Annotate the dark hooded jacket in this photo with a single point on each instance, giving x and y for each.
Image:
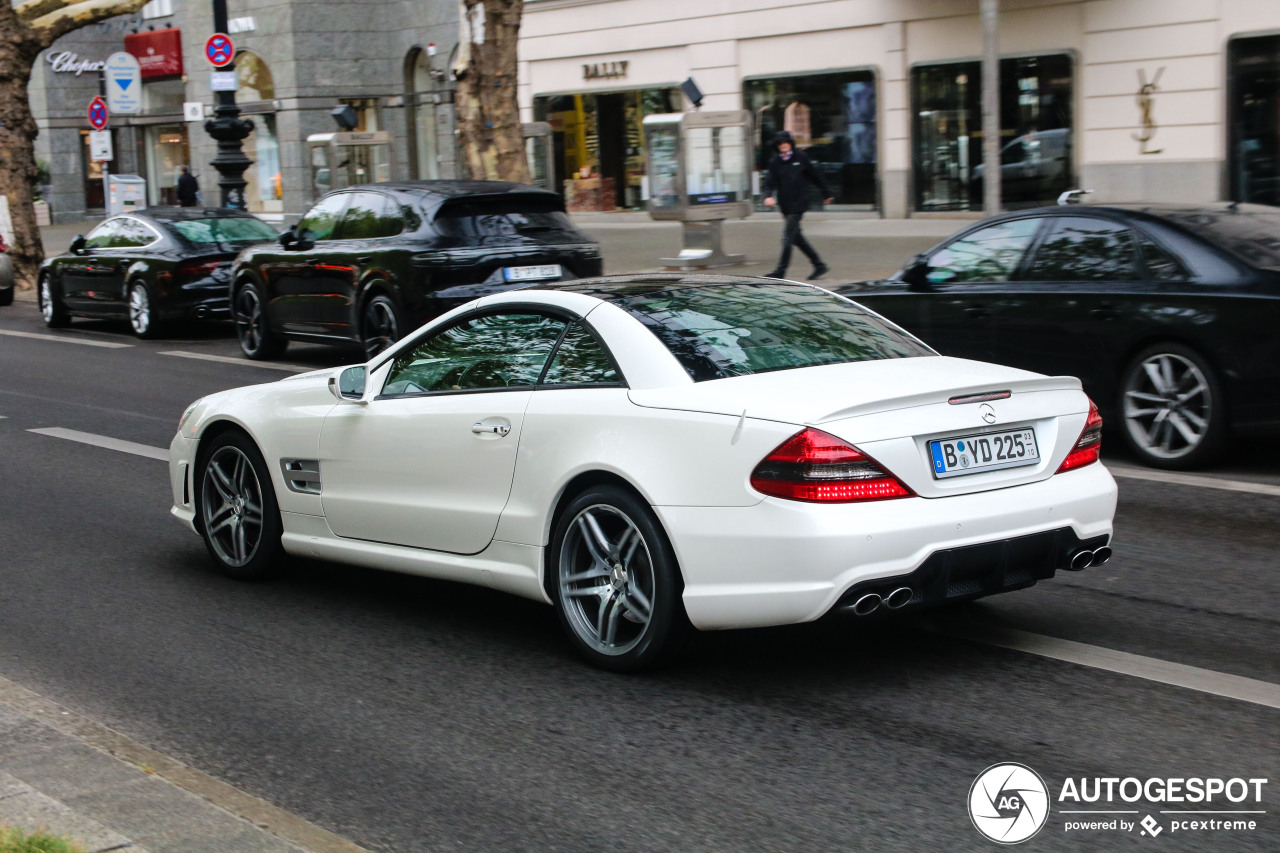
(787, 180)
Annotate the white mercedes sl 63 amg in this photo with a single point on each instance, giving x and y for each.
(651, 453)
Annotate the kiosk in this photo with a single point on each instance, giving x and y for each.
(348, 158)
(700, 174)
(125, 193)
(539, 150)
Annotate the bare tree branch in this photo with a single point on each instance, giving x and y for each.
(69, 15)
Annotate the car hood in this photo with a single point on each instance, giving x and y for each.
(816, 395)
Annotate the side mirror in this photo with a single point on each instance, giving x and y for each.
(915, 270)
(347, 386)
(77, 245)
(288, 236)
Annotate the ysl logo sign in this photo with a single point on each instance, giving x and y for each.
(1146, 105)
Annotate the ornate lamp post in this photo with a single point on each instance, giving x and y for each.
(229, 130)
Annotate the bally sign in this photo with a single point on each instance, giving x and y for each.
(604, 70)
(159, 52)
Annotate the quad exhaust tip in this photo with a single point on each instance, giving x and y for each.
(900, 597)
(867, 604)
(1085, 558)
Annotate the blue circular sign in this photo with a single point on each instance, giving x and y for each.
(219, 50)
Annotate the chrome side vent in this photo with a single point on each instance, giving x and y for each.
(301, 475)
(984, 397)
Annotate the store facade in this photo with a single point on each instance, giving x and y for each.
(1135, 99)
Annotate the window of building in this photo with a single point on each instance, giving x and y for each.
(167, 152)
(263, 192)
(158, 9)
(367, 117)
(1253, 106)
(421, 85)
(832, 118)
(1036, 128)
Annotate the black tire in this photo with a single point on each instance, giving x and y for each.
(236, 510)
(51, 307)
(258, 340)
(601, 585)
(380, 325)
(142, 315)
(6, 297)
(1173, 410)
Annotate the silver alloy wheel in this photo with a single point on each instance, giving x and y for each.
(1168, 405)
(249, 319)
(231, 506)
(606, 580)
(139, 309)
(380, 327)
(46, 300)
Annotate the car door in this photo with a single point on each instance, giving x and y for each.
(428, 462)
(112, 263)
(299, 279)
(369, 217)
(81, 276)
(965, 282)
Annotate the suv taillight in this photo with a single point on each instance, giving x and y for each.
(1089, 446)
(818, 467)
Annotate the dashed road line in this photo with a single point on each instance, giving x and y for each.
(243, 362)
(65, 340)
(1198, 480)
(104, 441)
(1139, 666)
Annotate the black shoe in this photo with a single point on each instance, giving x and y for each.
(819, 271)
(776, 274)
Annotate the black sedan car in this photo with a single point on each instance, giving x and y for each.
(1168, 314)
(370, 263)
(150, 266)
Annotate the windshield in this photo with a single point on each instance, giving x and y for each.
(502, 217)
(1252, 233)
(241, 230)
(717, 331)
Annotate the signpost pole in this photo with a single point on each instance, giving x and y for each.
(227, 127)
(106, 169)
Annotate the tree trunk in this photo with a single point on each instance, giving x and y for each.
(489, 131)
(17, 145)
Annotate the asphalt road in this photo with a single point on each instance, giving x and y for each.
(408, 714)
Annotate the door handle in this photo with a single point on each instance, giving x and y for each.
(483, 428)
(365, 259)
(1105, 311)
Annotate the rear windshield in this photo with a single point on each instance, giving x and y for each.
(503, 217)
(718, 331)
(233, 230)
(1252, 235)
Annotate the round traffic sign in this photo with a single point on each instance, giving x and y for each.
(98, 115)
(220, 50)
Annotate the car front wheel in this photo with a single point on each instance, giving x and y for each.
(51, 308)
(253, 330)
(239, 517)
(615, 582)
(1173, 408)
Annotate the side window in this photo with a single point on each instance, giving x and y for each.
(1078, 248)
(320, 221)
(988, 254)
(485, 352)
(390, 218)
(104, 236)
(369, 216)
(581, 360)
(1161, 264)
(133, 233)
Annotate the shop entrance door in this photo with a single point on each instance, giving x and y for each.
(611, 123)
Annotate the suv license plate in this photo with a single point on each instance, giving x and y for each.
(973, 454)
(538, 273)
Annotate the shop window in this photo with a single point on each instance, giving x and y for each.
(1253, 105)
(167, 152)
(263, 192)
(831, 117)
(1036, 129)
(254, 76)
(422, 86)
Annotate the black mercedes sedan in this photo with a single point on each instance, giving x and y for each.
(370, 263)
(150, 266)
(1167, 313)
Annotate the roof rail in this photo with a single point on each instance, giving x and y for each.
(1072, 196)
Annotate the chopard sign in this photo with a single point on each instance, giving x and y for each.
(67, 62)
(604, 70)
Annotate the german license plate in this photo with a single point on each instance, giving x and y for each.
(972, 454)
(537, 273)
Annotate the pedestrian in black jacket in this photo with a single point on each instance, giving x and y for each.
(786, 185)
(188, 189)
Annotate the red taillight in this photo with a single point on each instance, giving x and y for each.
(192, 270)
(817, 467)
(1089, 446)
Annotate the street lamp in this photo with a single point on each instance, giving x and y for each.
(229, 130)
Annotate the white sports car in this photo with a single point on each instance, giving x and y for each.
(652, 452)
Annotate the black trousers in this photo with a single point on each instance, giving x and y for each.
(793, 236)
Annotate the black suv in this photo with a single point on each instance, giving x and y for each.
(371, 263)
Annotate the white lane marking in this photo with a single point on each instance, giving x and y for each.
(1193, 480)
(243, 362)
(103, 441)
(65, 340)
(1124, 663)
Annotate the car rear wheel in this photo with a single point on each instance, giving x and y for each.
(1174, 412)
(51, 307)
(615, 582)
(239, 518)
(141, 315)
(379, 326)
(257, 340)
